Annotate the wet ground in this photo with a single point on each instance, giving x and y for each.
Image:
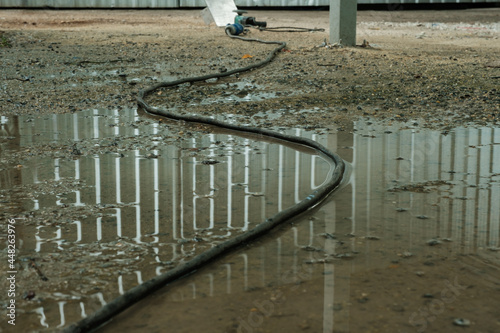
(105, 197)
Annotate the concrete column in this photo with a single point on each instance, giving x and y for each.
(343, 22)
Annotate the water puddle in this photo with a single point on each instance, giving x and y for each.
(411, 243)
(107, 199)
(101, 195)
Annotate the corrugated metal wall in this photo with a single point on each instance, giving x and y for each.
(199, 3)
(93, 3)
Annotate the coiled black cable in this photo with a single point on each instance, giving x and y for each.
(333, 180)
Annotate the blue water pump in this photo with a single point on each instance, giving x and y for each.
(247, 20)
(234, 29)
(240, 22)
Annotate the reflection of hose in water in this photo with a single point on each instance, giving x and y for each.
(334, 178)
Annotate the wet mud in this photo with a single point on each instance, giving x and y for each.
(105, 197)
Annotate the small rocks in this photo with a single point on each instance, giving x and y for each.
(328, 235)
(311, 248)
(461, 322)
(209, 162)
(405, 254)
(345, 255)
(433, 242)
(29, 295)
(151, 155)
(493, 64)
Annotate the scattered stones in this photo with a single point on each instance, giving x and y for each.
(406, 254)
(461, 322)
(311, 248)
(424, 187)
(433, 242)
(328, 235)
(210, 162)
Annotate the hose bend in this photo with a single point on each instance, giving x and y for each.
(334, 179)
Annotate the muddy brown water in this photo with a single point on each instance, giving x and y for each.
(410, 243)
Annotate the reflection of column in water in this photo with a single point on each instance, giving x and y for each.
(245, 270)
(246, 185)
(82, 310)
(139, 277)
(212, 182)
(137, 204)
(483, 166)
(230, 184)
(485, 161)
(100, 298)
(328, 211)
(228, 279)
(278, 257)
(456, 167)
(39, 240)
(369, 157)
(41, 313)
(337, 279)
(120, 284)
(297, 170)
(180, 190)
(264, 180)
(193, 189)
(193, 290)
(156, 189)
(61, 313)
(176, 191)
(353, 185)
(280, 178)
(137, 175)
(314, 160)
(210, 284)
(472, 177)
(494, 207)
(444, 216)
(118, 186)
(97, 173)
(78, 231)
(494, 225)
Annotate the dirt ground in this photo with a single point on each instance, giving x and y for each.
(441, 67)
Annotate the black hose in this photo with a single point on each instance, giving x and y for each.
(334, 178)
(290, 29)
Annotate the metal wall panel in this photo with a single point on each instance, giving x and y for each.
(201, 3)
(192, 3)
(420, 1)
(93, 3)
(282, 3)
